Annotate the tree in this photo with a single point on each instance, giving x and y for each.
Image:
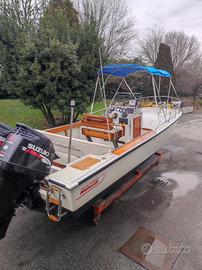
(48, 78)
(61, 17)
(88, 51)
(114, 24)
(49, 60)
(3, 93)
(23, 12)
(18, 19)
(149, 45)
(189, 79)
(183, 47)
(83, 34)
(164, 61)
(64, 7)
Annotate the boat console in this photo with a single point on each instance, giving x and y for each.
(124, 111)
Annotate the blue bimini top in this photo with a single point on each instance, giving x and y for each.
(124, 70)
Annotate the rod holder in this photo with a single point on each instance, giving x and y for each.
(72, 105)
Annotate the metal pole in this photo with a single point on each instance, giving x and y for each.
(154, 90)
(72, 105)
(104, 93)
(94, 96)
(102, 76)
(158, 91)
(116, 92)
(169, 91)
(159, 86)
(128, 87)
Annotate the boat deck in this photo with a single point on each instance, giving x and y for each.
(90, 156)
(70, 174)
(78, 169)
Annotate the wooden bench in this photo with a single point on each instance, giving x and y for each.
(100, 127)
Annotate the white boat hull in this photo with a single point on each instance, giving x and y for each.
(105, 177)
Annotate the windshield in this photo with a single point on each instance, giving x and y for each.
(124, 102)
(122, 99)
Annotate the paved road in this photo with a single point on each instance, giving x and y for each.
(35, 243)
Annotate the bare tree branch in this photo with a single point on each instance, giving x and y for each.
(189, 78)
(150, 44)
(23, 11)
(115, 24)
(183, 47)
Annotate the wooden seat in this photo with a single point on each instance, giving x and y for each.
(96, 121)
(100, 127)
(98, 134)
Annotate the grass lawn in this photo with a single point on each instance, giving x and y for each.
(13, 111)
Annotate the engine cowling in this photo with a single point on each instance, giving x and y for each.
(4, 131)
(25, 159)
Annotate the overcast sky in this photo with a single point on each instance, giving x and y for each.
(183, 15)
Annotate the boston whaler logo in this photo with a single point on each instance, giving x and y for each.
(94, 183)
(37, 152)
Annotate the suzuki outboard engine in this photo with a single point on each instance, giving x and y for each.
(4, 131)
(25, 159)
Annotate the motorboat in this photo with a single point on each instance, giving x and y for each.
(64, 169)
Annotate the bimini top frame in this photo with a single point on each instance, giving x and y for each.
(125, 70)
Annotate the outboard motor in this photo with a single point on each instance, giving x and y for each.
(25, 159)
(4, 131)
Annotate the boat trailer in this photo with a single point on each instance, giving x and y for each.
(133, 176)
